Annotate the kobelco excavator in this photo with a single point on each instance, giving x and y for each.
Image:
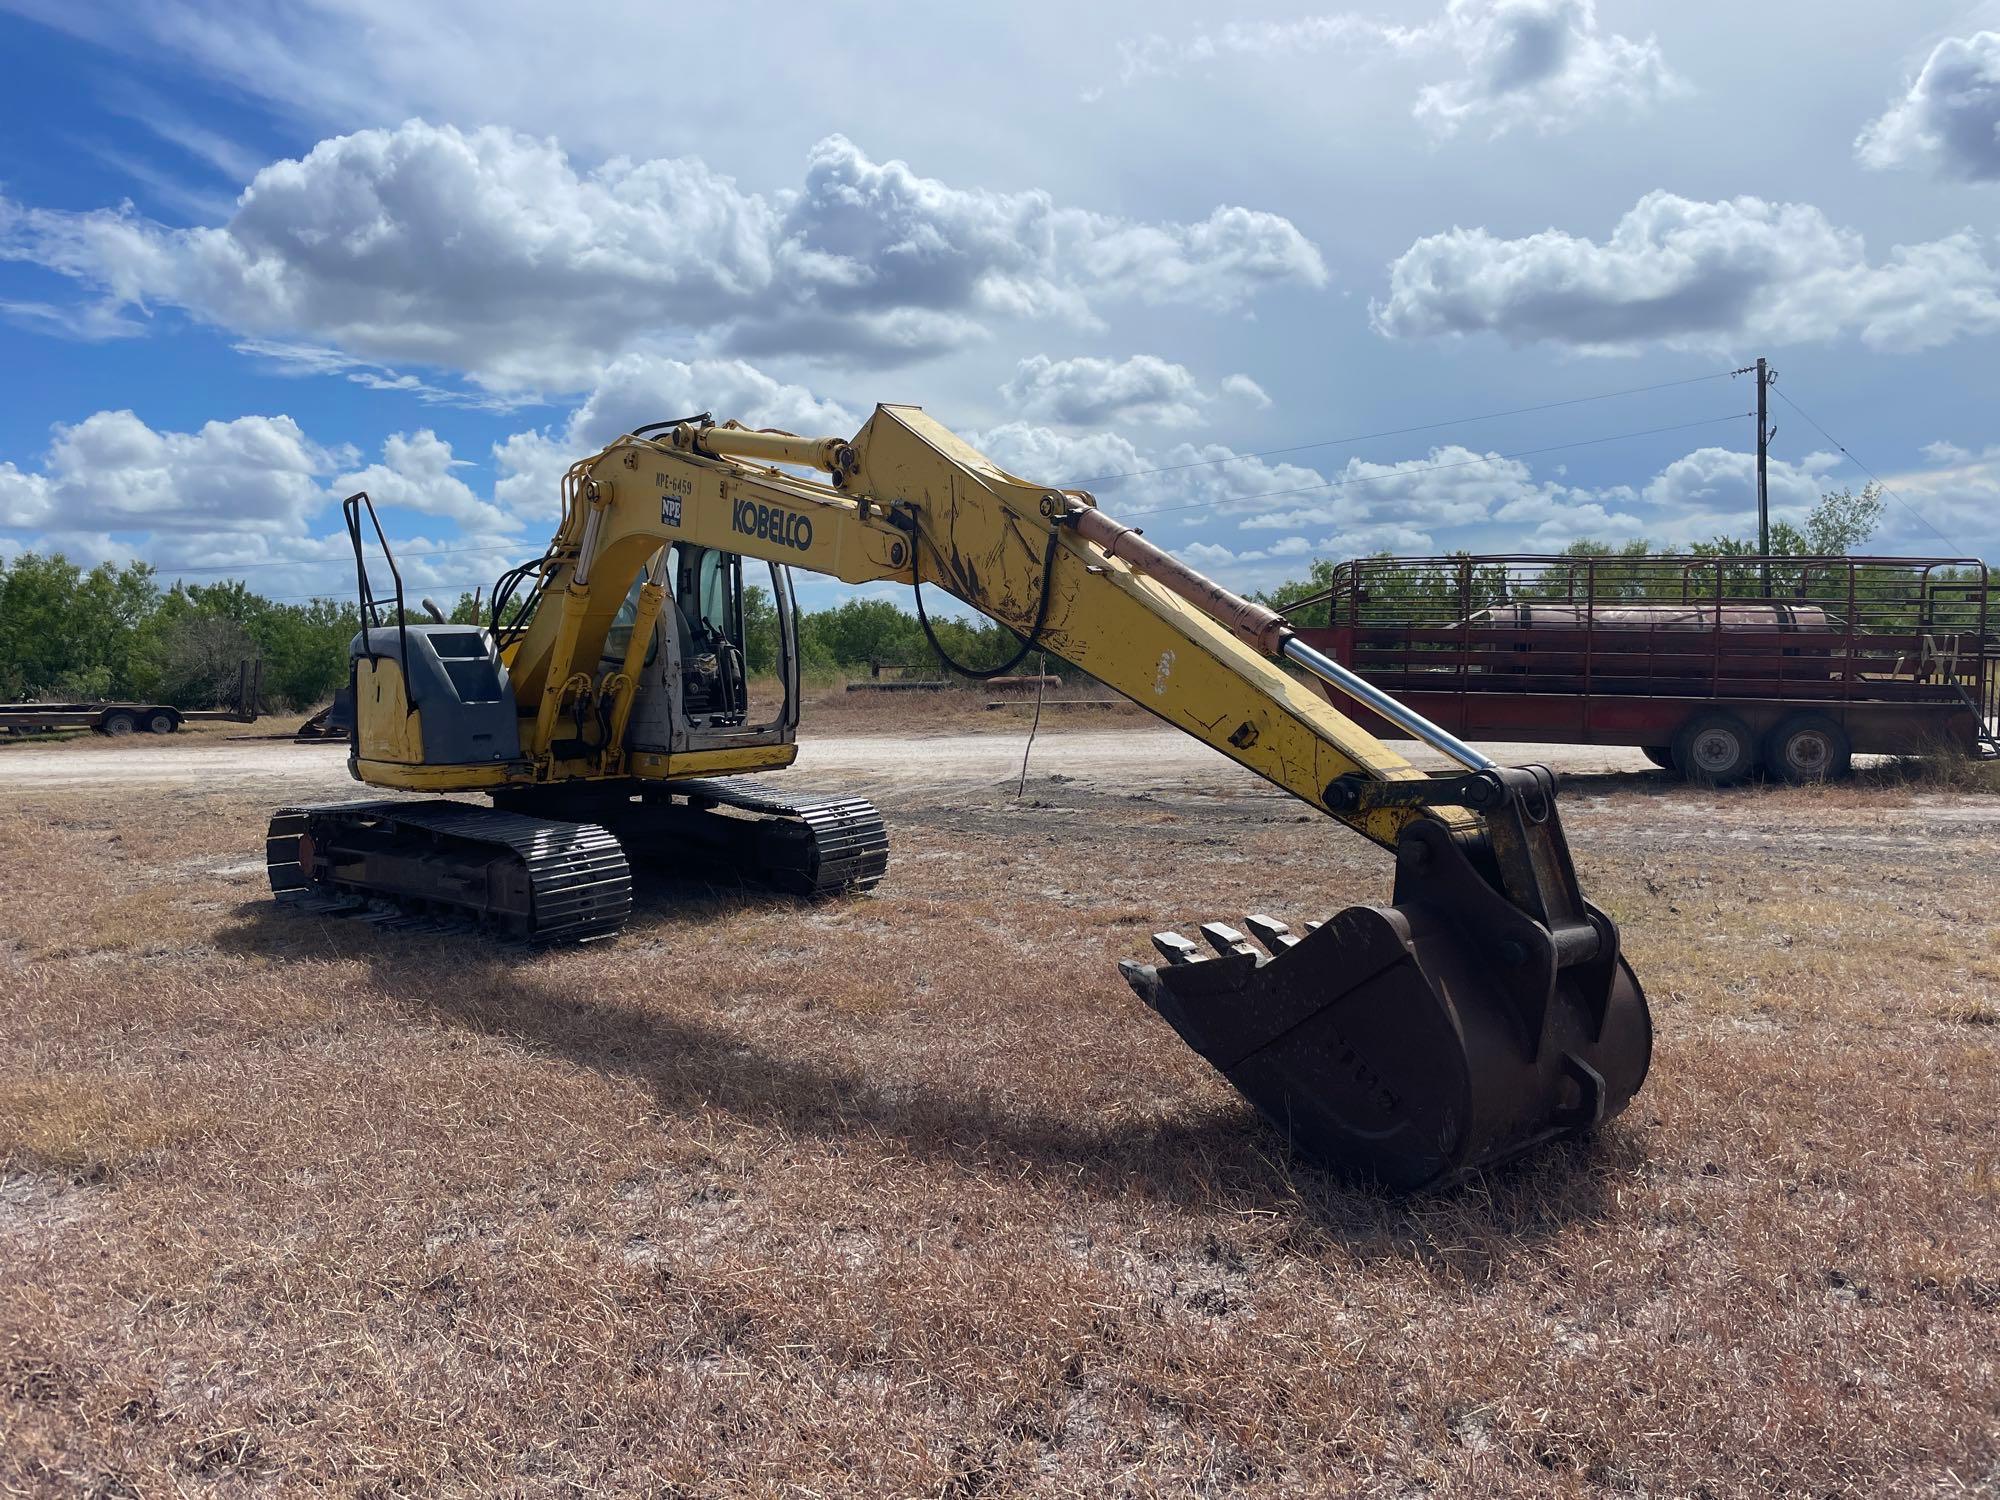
(605, 714)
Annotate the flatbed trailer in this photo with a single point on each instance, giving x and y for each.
(1717, 667)
(132, 716)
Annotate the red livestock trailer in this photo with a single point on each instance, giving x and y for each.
(1714, 666)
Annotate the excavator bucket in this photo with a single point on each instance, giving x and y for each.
(1416, 1042)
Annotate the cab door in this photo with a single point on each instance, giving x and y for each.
(705, 683)
(651, 726)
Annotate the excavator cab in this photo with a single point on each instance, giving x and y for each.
(694, 690)
(707, 590)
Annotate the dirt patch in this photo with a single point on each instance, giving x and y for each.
(37, 1206)
(966, 708)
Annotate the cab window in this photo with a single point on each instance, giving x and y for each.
(618, 639)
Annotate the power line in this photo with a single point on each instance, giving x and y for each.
(1948, 541)
(342, 562)
(1637, 390)
(1465, 463)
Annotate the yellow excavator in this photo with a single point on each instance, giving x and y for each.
(605, 714)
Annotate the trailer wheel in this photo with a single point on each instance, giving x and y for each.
(1715, 750)
(1660, 755)
(1808, 747)
(161, 721)
(118, 723)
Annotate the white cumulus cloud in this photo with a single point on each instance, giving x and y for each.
(1948, 121)
(1182, 483)
(1090, 391)
(416, 473)
(1539, 63)
(1691, 273)
(492, 252)
(113, 472)
(255, 495)
(639, 388)
(1243, 388)
(1211, 554)
(1449, 486)
(1716, 480)
(1956, 498)
(1545, 64)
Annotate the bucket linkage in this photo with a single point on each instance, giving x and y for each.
(1485, 1010)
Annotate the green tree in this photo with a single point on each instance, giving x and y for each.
(1591, 569)
(1839, 523)
(1440, 591)
(760, 630)
(1834, 527)
(305, 650)
(1843, 520)
(1286, 597)
(859, 631)
(203, 655)
(67, 633)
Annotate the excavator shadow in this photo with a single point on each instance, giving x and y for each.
(660, 904)
(1220, 1157)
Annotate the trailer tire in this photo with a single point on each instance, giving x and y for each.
(118, 723)
(1660, 755)
(1808, 747)
(1715, 750)
(162, 721)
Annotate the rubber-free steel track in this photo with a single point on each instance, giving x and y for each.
(847, 843)
(560, 880)
(577, 884)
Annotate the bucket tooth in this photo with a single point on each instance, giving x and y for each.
(1273, 934)
(1415, 1042)
(1226, 940)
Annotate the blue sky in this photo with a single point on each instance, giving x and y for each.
(254, 256)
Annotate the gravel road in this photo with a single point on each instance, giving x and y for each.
(870, 764)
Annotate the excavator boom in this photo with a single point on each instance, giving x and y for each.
(1486, 1008)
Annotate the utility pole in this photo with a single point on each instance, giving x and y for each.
(1765, 432)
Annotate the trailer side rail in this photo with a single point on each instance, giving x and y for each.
(1833, 630)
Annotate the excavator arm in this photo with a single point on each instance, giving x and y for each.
(1485, 1009)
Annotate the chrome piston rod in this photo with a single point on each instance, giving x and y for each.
(1408, 720)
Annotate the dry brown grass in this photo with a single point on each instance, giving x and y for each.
(908, 1196)
(1944, 769)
